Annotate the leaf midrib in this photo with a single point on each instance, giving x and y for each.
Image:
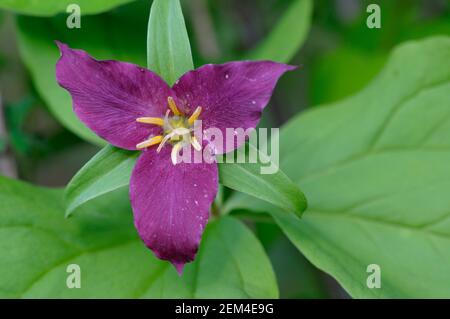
(364, 218)
(360, 156)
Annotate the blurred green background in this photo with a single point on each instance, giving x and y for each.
(339, 57)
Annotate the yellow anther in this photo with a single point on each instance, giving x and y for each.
(173, 106)
(174, 154)
(195, 143)
(151, 141)
(195, 115)
(151, 120)
(177, 130)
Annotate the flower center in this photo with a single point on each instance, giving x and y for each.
(177, 130)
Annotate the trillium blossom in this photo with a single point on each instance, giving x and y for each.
(134, 109)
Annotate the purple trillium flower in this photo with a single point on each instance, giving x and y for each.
(134, 109)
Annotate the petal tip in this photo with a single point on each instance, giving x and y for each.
(179, 267)
(290, 67)
(61, 46)
(285, 67)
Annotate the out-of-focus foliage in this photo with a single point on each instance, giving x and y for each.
(286, 38)
(297, 277)
(354, 54)
(375, 172)
(343, 72)
(52, 7)
(15, 116)
(118, 35)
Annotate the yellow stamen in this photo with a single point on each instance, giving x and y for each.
(175, 133)
(173, 106)
(174, 153)
(195, 143)
(151, 120)
(195, 115)
(151, 141)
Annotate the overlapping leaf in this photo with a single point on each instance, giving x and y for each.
(38, 244)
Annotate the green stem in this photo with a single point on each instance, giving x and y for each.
(215, 210)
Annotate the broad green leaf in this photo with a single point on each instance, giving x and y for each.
(168, 48)
(275, 188)
(38, 244)
(118, 35)
(52, 7)
(375, 169)
(110, 170)
(288, 35)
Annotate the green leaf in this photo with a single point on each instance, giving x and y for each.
(276, 188)
(375, 170)
(38, 244)
(168, 48)
(288, 35)
(118, 35)
(52, 7)
(109, 170)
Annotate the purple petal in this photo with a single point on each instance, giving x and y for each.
(231, 95)
(108, 96)
(171, 204)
